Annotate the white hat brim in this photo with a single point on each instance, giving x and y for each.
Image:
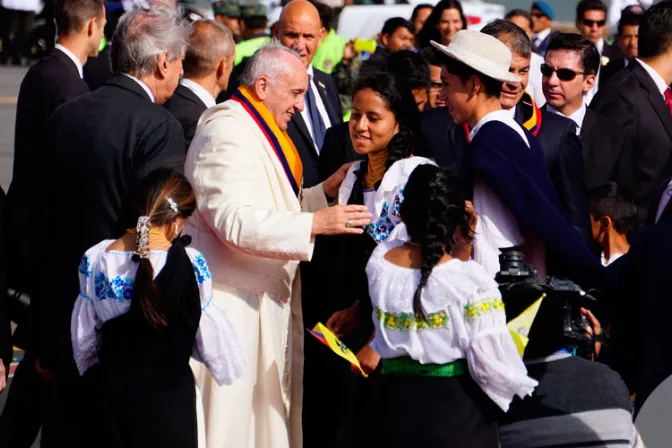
(479, 64)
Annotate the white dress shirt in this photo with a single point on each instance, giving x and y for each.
(534, 84)
(592, 92)
(537, 39)
(200, 92)
(143, 85)
(577, 117)
(22, 5)
(320, 108)
(497, 227)
(611, 259)
(75, 59)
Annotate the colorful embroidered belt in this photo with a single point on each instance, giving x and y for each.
(408, 366)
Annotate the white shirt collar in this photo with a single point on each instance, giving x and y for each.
(657, 79)
(577, 116)
(542, 35)
(75, 59)
(613, 258)
(310, 72)
(143, 85)
(200, 92)
(600, 46)
(503, 116)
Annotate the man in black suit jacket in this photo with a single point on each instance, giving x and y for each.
(207, 67)
(591, 19)
(300, 28)
(101, 145)
(634, 103)
(626, 42)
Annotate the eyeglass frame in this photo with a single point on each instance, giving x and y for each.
(589, 23)
(557, 71)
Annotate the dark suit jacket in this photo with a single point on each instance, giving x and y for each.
(5, 329)
(641, 334)
(447, 144)
(564, 160)
(632, 104)
(298, 131)
(47, 85)
(615, 64)
(187, 107)
(336, 151)
(602, 147)
(101, 145)
(98, 70)
(543, 46)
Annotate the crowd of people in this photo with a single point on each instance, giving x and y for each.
(188, 198)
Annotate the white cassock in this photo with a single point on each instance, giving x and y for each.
(253, 231)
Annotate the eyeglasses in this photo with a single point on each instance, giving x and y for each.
(436, 84)
(564, 74)
(590, 23)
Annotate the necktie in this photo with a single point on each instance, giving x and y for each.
(668, 99)
(315, 118)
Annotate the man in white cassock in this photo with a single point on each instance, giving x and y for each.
(254, 225)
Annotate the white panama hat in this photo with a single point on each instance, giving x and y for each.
(482, 52)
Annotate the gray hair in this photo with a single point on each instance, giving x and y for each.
(517, 41)
(144, 34)
(268, 61)
(208, 43)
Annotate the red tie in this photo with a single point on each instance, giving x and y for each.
(668, 98)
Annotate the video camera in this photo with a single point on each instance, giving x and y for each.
(520, 288)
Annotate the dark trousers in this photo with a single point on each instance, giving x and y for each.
(16, 29)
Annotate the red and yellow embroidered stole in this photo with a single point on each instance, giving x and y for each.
(282, 145)
(532, 124)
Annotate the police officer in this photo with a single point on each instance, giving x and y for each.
(227, 12)
(253, 24)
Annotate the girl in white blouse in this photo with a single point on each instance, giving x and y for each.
(440, 327)
(144, 308)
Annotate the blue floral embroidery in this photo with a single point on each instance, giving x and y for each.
(119, 288)
(201, 269)
(382, 228)
(85, 267)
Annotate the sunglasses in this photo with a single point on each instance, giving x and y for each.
(564, 74)
(590, 23)
(436, 84)
(538, 15)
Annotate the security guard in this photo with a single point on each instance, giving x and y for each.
(253, 24)
(330, 51)
(227, 12)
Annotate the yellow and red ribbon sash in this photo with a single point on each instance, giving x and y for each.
(533, 124)
(282, 145)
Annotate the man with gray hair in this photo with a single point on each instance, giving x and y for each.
(207, 67)
(255, 222)
(99, 147)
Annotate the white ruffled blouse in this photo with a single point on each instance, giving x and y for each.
(465, 320)
(106, 287)
(384, 202)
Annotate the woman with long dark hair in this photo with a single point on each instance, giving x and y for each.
(446, 19)
(144, 308)
(447, 355)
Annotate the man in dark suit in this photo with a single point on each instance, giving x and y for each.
(207, 68)
(591, 19)
(569, 70)
(638, 103)
(542, 19)
(300, 28)
(626, 42)
(98, 71)
(101, 145)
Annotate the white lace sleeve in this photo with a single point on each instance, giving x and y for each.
(493, 360)
(217, 345)
(85, 323)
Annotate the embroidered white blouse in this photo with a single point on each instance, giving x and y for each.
(384, 202)
(106, 287)
(465, 320)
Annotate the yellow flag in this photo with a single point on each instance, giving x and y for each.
(520, 326)
(324, 335)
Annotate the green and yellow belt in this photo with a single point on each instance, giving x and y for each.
(409, 366)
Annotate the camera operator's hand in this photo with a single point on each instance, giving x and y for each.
(594, 329)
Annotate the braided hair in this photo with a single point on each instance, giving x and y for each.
(163, 196)
(433, 209)
(399, 100)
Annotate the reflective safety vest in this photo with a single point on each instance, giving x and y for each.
(330, 52)
(248, 47)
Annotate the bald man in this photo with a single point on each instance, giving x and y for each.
(300, 28)
(207, 64)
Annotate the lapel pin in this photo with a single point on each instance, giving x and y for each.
(322, 85)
